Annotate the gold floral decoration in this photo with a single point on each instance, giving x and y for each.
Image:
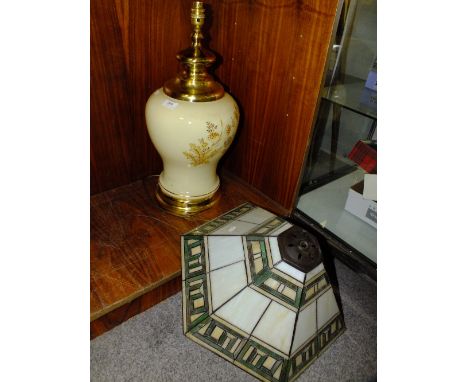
(213, 134)
(219, 137)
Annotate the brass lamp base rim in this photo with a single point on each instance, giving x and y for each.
(181, 205)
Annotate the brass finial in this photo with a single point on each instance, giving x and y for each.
(198, 19)
(193, 82)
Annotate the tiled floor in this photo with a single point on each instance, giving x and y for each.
(151, 346)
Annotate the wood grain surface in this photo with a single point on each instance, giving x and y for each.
(272, 56)
(141, 303)
(135, 246)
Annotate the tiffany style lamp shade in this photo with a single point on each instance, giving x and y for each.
(256, 293)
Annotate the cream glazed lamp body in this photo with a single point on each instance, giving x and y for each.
(192, 122)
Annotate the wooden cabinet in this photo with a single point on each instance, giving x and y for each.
(272, 57)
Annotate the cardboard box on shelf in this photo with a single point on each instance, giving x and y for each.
(364, 209)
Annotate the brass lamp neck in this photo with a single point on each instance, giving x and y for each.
(193, 82)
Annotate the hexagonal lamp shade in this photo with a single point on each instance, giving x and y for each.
(256, 293)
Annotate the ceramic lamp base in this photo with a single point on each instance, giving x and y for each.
(183, 205)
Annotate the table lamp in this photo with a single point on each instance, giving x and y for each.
(192, 122)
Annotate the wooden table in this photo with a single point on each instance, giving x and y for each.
(135, 247)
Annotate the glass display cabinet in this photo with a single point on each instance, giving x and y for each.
(344, 142)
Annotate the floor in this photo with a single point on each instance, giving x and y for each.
(152, 347)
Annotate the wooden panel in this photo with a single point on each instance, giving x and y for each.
(129, 41)
(134, 307)
(273, 55)
(135, 246)
(110, 113)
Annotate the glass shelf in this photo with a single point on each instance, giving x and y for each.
(354, 96)
(347, 115)
(326, 205)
